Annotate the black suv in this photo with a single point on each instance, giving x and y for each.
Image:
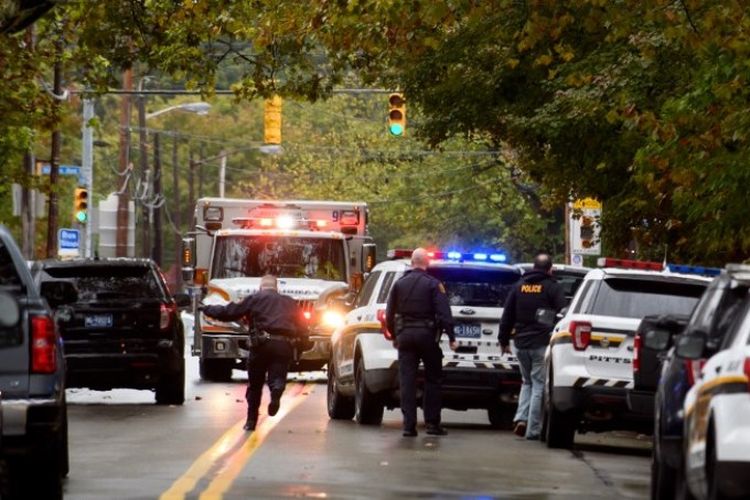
(712, 318)
(32, 377)
(119, 323)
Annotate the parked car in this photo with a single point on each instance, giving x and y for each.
(32, 383)
(590, 355)
(711, 318)
(119, 323)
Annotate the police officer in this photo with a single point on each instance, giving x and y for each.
(418, 314)
(536, 290)
(278, 322)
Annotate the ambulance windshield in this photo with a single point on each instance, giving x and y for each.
(282, 256)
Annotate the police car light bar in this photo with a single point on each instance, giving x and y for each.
(403, 253)
(699, 270)
(630, 264)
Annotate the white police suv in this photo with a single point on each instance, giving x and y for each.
(363, 370)
(590, 356)
(717, 410)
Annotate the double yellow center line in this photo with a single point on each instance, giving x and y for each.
(233, 461)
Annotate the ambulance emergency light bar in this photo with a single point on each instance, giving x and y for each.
(403, 253)
(657, 266)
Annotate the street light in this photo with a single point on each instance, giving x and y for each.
(199, 108)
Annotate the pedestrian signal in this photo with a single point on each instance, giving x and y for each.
(396, 114)
(81, 205)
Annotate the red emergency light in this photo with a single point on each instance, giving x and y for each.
(630, 264)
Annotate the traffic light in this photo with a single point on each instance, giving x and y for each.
(81, 205)
(396, 114)
(272, 121)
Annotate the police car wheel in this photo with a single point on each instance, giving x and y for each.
(340, 407)
(561, 426)
(368, 407)
(663, 477)
(500, 416)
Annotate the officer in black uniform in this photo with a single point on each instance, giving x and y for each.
(536, 290)
(418, 314)
(279, 323)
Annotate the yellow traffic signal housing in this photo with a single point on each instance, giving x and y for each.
(81, 205)
(272, 120)
(396, 114)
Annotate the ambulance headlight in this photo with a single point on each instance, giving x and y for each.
(332, 319)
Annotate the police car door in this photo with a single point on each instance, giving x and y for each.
(353, 322)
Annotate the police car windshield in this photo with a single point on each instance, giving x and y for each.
(634, 298)
(282, 256)
(475, 287)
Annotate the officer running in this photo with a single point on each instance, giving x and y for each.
(418, 314)
(278, 322)
(536, 290)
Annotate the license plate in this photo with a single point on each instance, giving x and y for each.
(468, 330)
(98, 321)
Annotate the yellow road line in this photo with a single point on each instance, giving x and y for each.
(203, 464)
(224, 479)
(185, 484)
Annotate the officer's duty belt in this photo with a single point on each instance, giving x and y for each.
(418, 323)
(271, 336)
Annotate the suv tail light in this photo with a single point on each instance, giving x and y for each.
(43, 345)
(637, 353)
(165, 315)
(693, 368)
(581, 331)
(383, 325)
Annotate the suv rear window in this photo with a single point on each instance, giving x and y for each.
(633, 298)
(109, 282)
(475, 287)
(9, 276)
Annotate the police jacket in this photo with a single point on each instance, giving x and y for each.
(536, 290)
(418, 297)
(275, 313)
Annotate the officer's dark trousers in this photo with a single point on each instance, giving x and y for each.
(413, 346)
(267, 362)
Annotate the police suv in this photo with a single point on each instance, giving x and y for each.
(590, 356)
(363, 371)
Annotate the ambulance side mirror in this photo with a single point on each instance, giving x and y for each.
(369, 256)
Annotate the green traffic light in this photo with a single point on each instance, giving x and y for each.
(396, 129)
(81, 216)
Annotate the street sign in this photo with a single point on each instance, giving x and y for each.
(576, 260)
(585, 227)
(68, 242)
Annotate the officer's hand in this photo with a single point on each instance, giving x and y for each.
(395, 343)
(453, 345)
(506, 350)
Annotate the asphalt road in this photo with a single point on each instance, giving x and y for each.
(124, 446)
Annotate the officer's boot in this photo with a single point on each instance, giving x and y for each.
(273, 406)
(252, 419)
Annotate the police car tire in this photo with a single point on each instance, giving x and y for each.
(171, 387)
(663, 477)
(500, 417)
(560, 426)
(340, 407)
(216, 370)
(368, 407)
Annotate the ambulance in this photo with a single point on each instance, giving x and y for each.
(319, 250)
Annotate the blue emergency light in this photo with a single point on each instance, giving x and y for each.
(480, 256)
(699, 270)
(401, 253)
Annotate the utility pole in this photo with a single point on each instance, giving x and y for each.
(191, 190)
(177, 215)
(87, 170)
(222, 173)
(28, 211)
(200, 170)
(142, 156)
(157, 254)
(123, 199)
(54, 157)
